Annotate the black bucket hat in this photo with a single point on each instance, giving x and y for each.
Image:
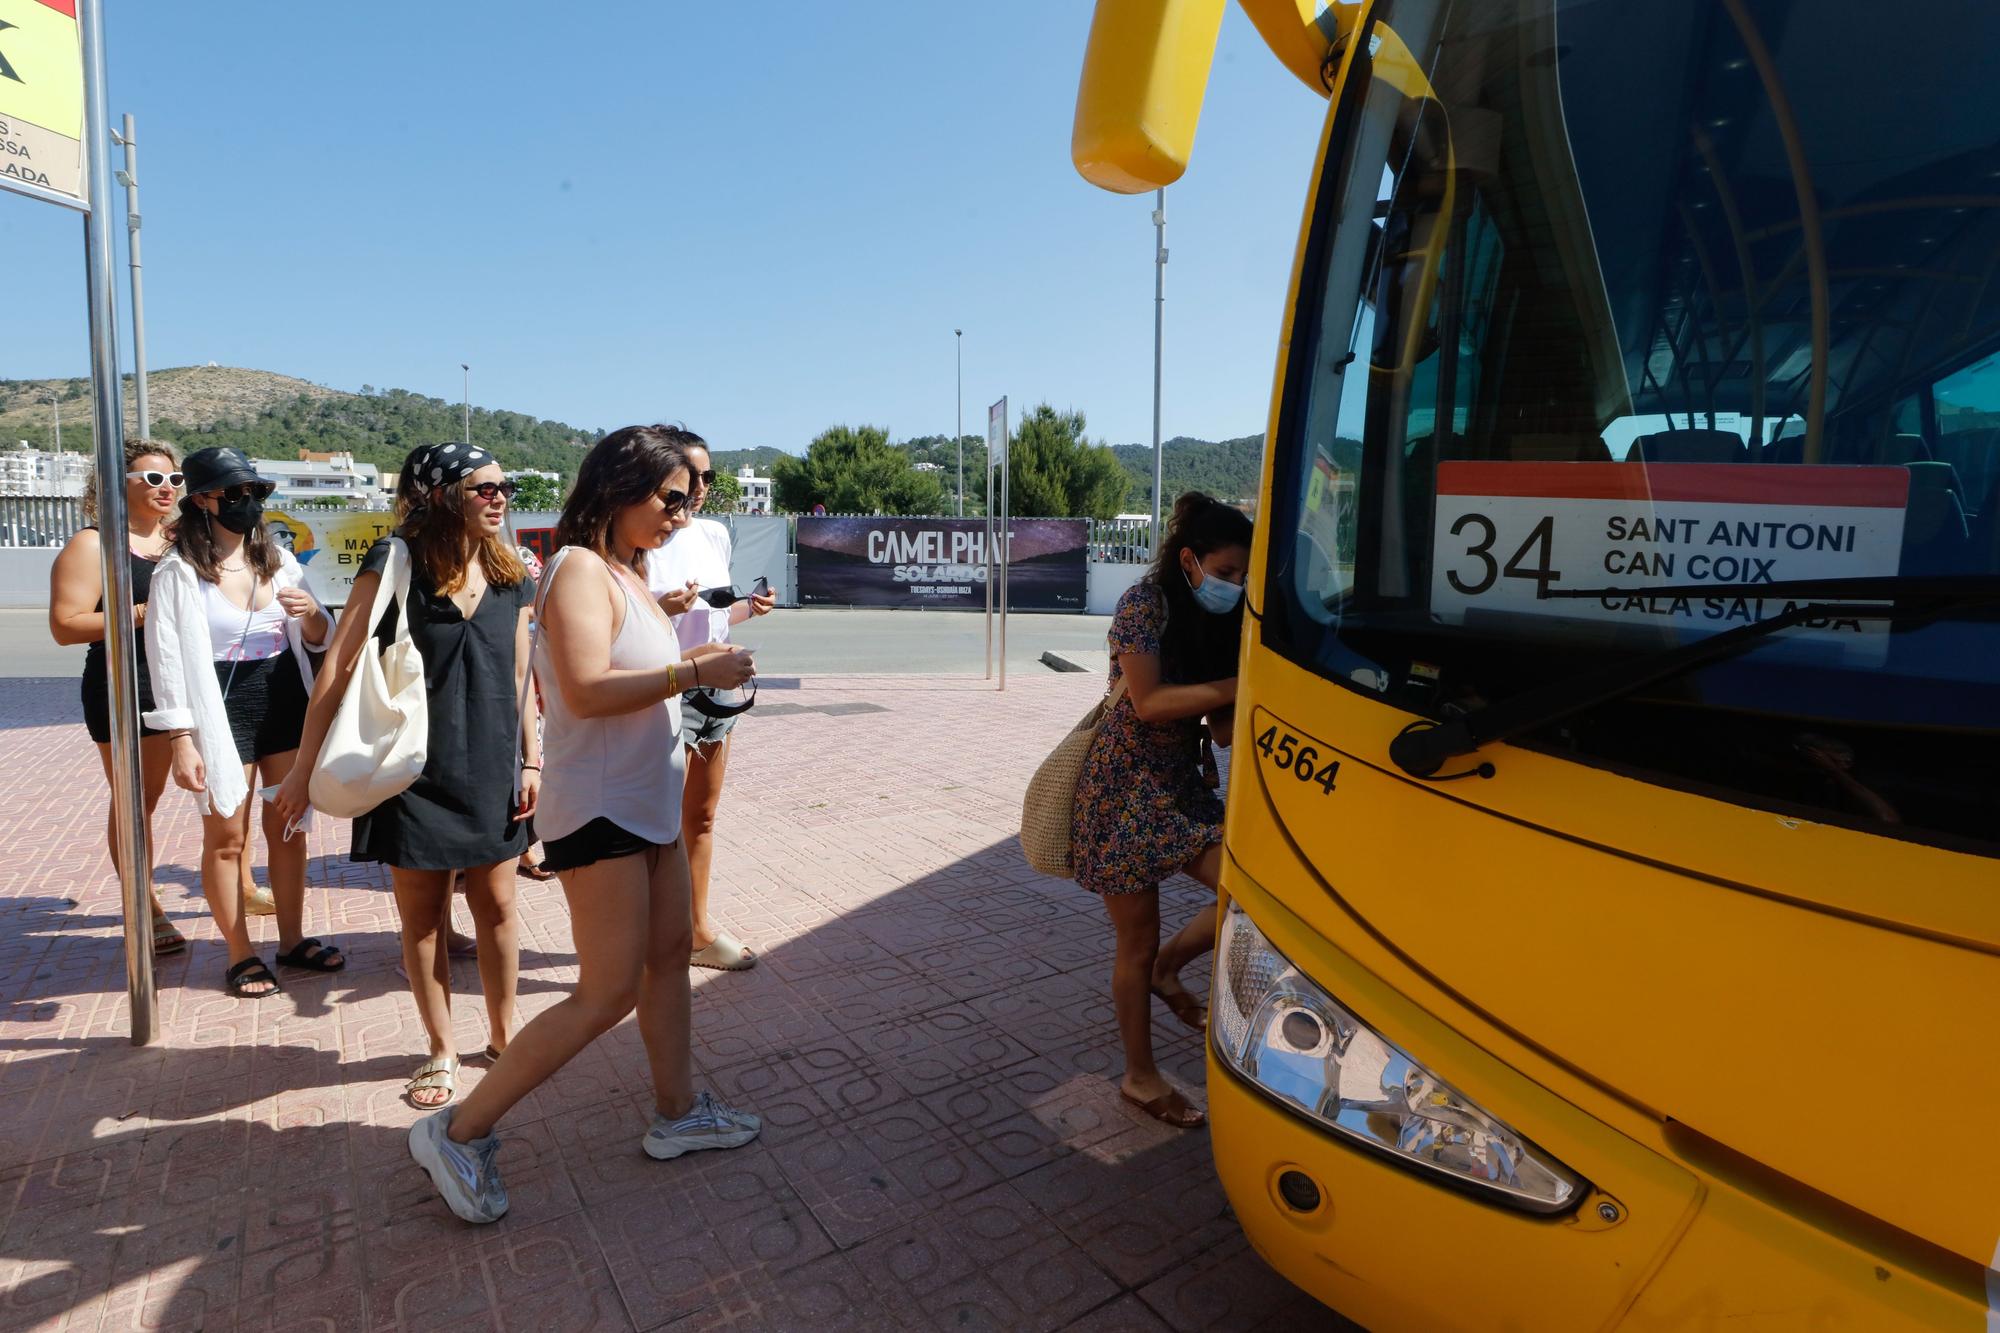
(213, 469)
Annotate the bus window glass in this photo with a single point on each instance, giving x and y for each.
(1602, 300)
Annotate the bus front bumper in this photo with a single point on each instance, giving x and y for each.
(1655, 1243)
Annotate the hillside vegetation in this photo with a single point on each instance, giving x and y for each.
(268, 415)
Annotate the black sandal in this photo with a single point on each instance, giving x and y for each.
(250, 972)
(310, 955)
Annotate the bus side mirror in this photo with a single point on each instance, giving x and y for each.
(1144, 77)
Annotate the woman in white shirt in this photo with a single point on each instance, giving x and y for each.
(228, 625)
(609, 816)
(695, 560)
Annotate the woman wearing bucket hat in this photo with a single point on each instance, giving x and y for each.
(227, 631)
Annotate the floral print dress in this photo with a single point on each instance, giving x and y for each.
(1142, 808)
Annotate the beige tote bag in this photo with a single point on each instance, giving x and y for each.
(1050, 804)
(380, 737)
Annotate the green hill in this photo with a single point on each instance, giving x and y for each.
(1229, 470)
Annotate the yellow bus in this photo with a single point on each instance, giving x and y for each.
(1610, 925)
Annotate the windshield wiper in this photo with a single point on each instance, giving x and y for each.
(1422, 748)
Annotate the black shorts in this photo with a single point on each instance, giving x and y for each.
(265, 701)
(599, 840)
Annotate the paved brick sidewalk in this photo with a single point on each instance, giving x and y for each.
(929, 1040)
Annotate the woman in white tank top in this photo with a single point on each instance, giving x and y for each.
(610, 668)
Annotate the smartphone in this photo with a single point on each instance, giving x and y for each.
(721, 597)
(761, 588)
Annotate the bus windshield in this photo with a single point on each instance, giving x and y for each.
(1662, 304)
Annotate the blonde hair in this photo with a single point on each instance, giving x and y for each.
(135, 450)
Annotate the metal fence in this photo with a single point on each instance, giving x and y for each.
(39, 520)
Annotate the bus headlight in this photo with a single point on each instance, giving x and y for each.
(1273, 1025)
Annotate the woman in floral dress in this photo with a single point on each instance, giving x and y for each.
(1146, 806)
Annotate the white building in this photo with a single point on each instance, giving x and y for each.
(26, 471)
(756, 490)
(323, 479)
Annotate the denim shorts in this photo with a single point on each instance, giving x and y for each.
(701, 732)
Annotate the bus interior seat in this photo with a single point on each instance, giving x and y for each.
(1689, 446)
(1557, 449)
(1788, 449)
(1906, 449)
(1930, 476)
(1936, 539)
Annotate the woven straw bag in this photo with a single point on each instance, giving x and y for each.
(1050, 804)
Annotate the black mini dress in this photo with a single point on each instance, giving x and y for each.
(460, 812)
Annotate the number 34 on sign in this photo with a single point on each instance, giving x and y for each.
(1506, 532)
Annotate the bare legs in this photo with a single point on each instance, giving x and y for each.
(222, 843)
(631, 920)
(1143, 964)
(285, 861)
(700, 799)
(156, 762)
(423, 905)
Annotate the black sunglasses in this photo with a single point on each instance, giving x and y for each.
(706, 478)
(152, 478)
(243, 490)
(673, 501)
(486, 490)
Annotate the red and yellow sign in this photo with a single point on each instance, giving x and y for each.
(41, 100)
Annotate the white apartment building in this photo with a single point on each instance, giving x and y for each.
(756, 491)
(26, 471)
(323, 478)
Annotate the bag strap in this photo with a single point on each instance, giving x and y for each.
(1117, 693)
(396, 574)
(521, 704)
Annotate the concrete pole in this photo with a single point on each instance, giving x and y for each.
(959, 336)
(128, 804)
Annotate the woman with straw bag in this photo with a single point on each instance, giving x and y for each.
(1145, 808)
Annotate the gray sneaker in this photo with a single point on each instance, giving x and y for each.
(464, 1173)
(707, 1124)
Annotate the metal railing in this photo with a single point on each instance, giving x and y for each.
(39, 520)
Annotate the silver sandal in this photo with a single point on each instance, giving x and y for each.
(440, 1071)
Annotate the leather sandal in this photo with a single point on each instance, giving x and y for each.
(311, 955)
(167, 938)
(1170, 1108)
(250, 972)
(1191, 1012)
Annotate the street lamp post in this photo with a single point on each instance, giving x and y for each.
(468, 401)
(959, 336)
(56, 402)
(129, 178)
(1159, 324)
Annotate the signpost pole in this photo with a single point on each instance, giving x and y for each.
(1001, 408)
(135, 870)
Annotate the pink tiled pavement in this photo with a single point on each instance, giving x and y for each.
(928, 1038)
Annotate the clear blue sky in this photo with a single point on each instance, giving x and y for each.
(760, 221)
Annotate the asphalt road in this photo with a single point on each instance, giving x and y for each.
(788, 643)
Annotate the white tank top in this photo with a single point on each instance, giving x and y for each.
(627, 768)
(237, 635)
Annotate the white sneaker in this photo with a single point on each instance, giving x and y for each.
(707, 1124)
(465, 1174)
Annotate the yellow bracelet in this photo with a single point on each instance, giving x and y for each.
(673, 678)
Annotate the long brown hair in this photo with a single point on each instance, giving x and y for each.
(1197, 646)
(194, 538)
(134, 451)
(625, 468)
(432, 521)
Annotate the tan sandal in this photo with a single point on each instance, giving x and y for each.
(440, 1071)
(1191, 1012)
(167, 938)
(725, 953)
(1170, 1108)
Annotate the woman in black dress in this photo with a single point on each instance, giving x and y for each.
(76, 615)
(470, 810)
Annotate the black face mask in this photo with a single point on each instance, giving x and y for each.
(239, 516)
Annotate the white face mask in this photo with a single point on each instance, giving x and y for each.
(1214, 594)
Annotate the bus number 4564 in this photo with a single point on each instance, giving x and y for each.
(1291, 755)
